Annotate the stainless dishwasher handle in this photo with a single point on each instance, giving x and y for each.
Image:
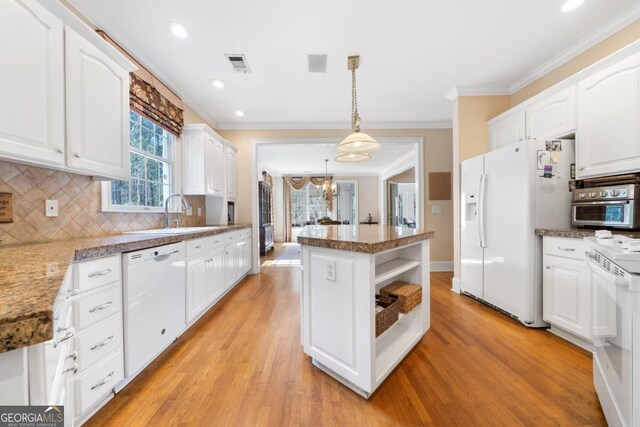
(566, 249)
(102, 344)
(101, 273)
(104, 381)
(101, 307)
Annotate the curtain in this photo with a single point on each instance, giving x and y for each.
(298, 183)
(147, 101)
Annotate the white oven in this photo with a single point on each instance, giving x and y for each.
(616, 358)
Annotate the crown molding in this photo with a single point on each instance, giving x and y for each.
(346, 126)
(605, 31)
(476, 91)
(98, 20)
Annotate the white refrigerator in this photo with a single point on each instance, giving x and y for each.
(505, 196)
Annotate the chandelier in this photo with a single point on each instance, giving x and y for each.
(357, 146)
(328, 189)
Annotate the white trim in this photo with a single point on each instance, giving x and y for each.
(369, 126)
(100, 22)
(459, 91)
(605, 31)
(441, 266)
(455, 285)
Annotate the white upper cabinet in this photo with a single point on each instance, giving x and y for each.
(507, 129)
(231, 172)
(97, 110)
(552, 117)
(203, 161)
(31, 83)
(608, 137)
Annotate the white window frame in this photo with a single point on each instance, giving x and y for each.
(334, 211)
(306, 206)
(175, 166)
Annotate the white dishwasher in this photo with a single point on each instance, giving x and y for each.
(154, 303)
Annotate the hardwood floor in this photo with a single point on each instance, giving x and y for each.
(242, 364)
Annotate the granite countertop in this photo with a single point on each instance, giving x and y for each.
(369, 239)
(32, 273)
(579, 233)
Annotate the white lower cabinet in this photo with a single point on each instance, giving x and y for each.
(566, 286)
(214, 265)
(98, 362)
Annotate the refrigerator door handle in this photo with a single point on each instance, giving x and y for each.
(481, 201)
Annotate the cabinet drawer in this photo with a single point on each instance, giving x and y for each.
(95, 343)
(231, 238)
(564, 247)
(98, 382)
(96, 306)
(245, 233)
(91, 274)
(197, 247)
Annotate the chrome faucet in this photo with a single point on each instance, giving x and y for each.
(185, 205)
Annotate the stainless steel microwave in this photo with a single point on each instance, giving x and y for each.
(615, 206)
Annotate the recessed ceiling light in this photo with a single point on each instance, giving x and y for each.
(219, 84)
(179, 30)
(240, 113)
(571, 5)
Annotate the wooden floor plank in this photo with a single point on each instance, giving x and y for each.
(242, 364)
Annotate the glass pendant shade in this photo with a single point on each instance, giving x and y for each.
(359, 143)
(352, 157)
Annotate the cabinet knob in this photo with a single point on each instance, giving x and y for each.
(581, 168)
(76, 155)
(58, 150)
(547, 267)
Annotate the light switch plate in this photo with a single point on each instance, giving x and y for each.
(436, 209)
(331, 271)
(51, 207)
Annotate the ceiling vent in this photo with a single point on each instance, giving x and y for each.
(317, 63)
(239, 63)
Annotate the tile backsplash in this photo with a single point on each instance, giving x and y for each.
(78, 206)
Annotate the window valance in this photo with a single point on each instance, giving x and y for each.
(147, 101)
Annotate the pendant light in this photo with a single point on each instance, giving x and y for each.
(358, 142)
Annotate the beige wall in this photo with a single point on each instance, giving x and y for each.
(437, 158)
(617, 41)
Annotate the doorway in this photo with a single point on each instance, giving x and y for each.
(401, 209)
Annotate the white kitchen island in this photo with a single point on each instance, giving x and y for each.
(344, 267)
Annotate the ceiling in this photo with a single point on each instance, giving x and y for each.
(413, 52)
(309, 159)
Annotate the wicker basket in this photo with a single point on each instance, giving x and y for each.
(409, 296)
(389, 315)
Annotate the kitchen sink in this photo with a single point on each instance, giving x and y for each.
(178, 230)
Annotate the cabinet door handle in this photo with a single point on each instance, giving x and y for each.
(101, 307)
(73, 356)
(104, 381)
(73, 369)
(102, 344)
(199, 247)
(72, 292)
(547, 267)
(566, 249)
(100, 273)
(58, 150)
(76, 155)
(581, 168)
(66, 337)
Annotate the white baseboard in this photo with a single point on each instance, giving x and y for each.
(441, 265)
(573, 339)
(455, 285)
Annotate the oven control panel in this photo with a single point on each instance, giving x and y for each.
(624, 192)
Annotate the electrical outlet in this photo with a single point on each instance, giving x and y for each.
(51, 207)
(199, 211)
(331, 271)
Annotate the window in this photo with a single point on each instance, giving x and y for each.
(307, 205)
(152, 169)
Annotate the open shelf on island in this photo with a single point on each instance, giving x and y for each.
(394, 267)
(394, 343)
